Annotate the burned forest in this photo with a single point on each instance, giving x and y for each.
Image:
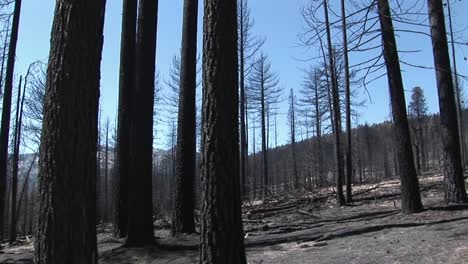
(233, 131)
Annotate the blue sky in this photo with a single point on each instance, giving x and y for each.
(278, 20)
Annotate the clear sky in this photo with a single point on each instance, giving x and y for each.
(278, 20)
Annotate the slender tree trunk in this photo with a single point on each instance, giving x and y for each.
(14, 174)
(263, 113)
(140, 222)
(292, 131)
(221, 227)
(67, 167)
(411, 199)
(453, 171)
(5, 45)
(6, 111)
(336, 113)
(243, 138)
(457, 88)
(318, 132)
(126, 90)
(349, 151)
(106, 176)
(183, 221)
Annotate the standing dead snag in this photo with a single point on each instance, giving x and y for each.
(183, 221)
(140, 196)
(349, 151)
(221, 225)
(336, 112)
(6, 110)
(410, 196)
(453, 171)
(66, 229)
(126, 88)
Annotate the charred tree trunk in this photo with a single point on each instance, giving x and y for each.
(221, 226)
(292, 131)
(126, 90)
(6, 111)
(183, 221)
(411, 198)
(265, 179)
(453, 171)
(14, 174)
(67, 167)
(349, 151)
(140, 211)
(336, 113)
(105, 210)
(242, 100)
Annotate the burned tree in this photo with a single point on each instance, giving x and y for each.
(410, 196)
(67, 166)
(126, 89)
(140, 221)
(453, 171)
(183, 221)
(221, 227)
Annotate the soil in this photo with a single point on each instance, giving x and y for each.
(309, 228)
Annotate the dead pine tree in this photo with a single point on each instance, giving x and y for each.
(67, 166)
(6, 110)
(452, 159)
(15, 165)
(349, 150)
(292, 134)
(264, 92)
(336, 112)
(140, 221)
(410, 196)
(183, 220)
(248, 46)
(126, 88)
(221, 226)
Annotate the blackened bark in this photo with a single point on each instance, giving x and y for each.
(349, 158)
(183, 221)
(336, 113)
(265, 176)
(140, 209)
(410, 196)
(67, 166)
(453, 171)
(292, 131)
(242, 99)
(14, 174)
(106, 177)
(126, 89)
(221, 227)
(6, 110)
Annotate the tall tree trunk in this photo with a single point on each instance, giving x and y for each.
(263, 113)
(411, 198)
(457, 88)
(183, 221)
(140, 222)
(6, 110)
(336, 113)
(453, 171)
(349, 151)
(67, 167)
(14, 174)
(126, 90)
(106, 176)
(221, 227)
(242, 103)
(292, 131)
(5, 45)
